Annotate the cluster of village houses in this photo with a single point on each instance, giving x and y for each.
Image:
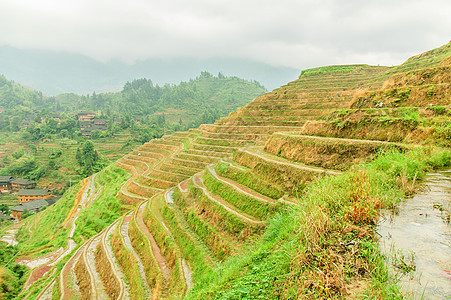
(88, 122)
(30, 198)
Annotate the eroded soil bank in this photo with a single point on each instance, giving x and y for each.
(418, 236)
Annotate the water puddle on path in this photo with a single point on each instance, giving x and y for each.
(421, 230)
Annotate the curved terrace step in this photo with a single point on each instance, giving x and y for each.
(240, 188)
(162, 262)
(128, 244)
(69, 288)
(96, 288)
(224, 128)
(326, 152)
(196, 240)
(105, 239)
(289, 175)
(197, 180)
(257, 152)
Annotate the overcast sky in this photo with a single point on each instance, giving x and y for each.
(300, 34)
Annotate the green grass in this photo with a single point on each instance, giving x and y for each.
(301, 255)
(128, 264)
(219, 217)
(249, 205)
(335, 69)
(168, 248)
(144, 250)
(249, 179)
(106, 208)
(191, 249)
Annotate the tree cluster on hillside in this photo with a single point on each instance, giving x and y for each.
(146, 109)
(89, 159)
(11, 274)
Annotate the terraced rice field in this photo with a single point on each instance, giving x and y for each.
(201, 197)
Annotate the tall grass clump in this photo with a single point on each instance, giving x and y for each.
(327, 247)
(412, 165)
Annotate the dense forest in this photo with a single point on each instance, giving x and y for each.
(169, 107)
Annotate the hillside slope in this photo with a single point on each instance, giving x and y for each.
(268, 202)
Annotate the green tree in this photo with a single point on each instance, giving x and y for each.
(89, 159)
(26, 213)
(4, 208)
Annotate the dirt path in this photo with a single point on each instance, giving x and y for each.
(46, 293)
(10, 237)
(124, 292)
(162, 263)
(95, 279)
(197, 180)
(168, 196)
(183, 186)
(128, 245)
(187, 274)
(67, 275)
(42, 265)
(82, 205)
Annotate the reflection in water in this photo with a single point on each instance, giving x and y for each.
(422, 225)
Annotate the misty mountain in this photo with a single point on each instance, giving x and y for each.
(59, 72)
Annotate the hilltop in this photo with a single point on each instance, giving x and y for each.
(277, 200)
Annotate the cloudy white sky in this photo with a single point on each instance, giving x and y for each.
(293, 33)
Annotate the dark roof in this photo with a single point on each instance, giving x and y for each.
(52, 200)
(35, 204)
(6, 178)
(33, 192)
(22, 181)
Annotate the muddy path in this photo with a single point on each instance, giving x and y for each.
(421, 226)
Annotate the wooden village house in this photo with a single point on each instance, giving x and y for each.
(20, 183)
(27, 195)
(32, 206)
(5, 183)
(85, 116)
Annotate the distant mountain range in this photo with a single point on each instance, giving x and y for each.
(59, 72)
